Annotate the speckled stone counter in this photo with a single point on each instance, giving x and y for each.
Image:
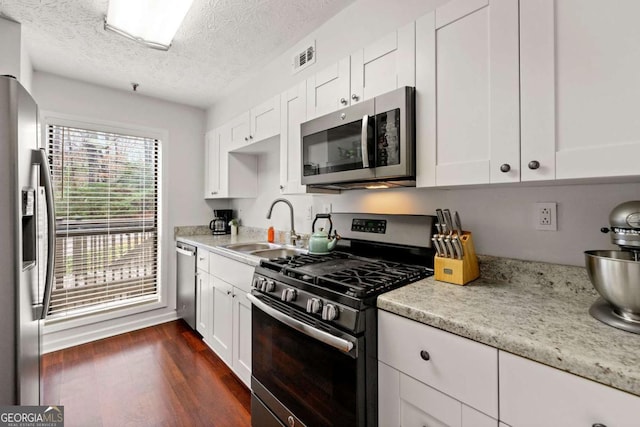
(535, 310)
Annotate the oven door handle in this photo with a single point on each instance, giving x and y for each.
(325, 337)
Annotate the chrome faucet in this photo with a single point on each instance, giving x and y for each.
(294, 236)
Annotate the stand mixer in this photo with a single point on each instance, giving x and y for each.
(616, 274)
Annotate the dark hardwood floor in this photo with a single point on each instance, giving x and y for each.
(159, 376)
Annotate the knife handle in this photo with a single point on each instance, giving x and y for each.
(448, 220)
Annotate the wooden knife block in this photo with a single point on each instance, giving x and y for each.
(458, 271)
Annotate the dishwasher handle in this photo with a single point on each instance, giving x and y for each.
(187, 252)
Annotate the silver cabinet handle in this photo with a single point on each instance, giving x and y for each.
(246, 138)
(250, 136)
(325, 337)
(506, 167)
(598, 425)
(363, 141)
(343, 101)
(424, 354)
(534, 164)
(355, 97)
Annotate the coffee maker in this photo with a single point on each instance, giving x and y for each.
(220, 223)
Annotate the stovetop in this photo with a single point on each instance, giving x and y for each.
(347, 274)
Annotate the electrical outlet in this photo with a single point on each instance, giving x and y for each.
(309, 212)
(545, 216)
(326, 208)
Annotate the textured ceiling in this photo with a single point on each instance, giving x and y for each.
(221, 43)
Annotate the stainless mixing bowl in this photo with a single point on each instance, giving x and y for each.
(616, 277)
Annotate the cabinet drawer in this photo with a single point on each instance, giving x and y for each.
(234, 272)
(459, 367)
(533, 394)
(202, 260)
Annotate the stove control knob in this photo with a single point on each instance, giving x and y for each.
(329, 312)
(314, 305)
(257, 282)
(288, 295)
(269, 286)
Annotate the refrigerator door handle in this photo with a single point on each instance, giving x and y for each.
(40, 157)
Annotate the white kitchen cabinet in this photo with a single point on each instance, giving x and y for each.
(212, 161)
(533, 394)
(292, 113)
(443, 365)
(257, 124)
(204, 304)
(404, 401)
(328, 89)
(385, 65)
(580, 88)
(228, 174)
(222, 327)
(467, 69)
(241, 335)
(231, 314)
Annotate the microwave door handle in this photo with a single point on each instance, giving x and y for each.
(364, 140)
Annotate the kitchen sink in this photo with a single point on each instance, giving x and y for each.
(251, 247)
(278, 252)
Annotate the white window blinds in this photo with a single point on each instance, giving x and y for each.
(106, 199)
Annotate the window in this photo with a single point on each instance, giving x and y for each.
(106, 199)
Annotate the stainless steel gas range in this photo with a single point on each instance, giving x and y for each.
(314, 321)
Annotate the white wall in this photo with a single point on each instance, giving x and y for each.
(183, 186)
(501, 218)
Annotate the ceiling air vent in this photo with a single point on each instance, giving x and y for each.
(304, 57)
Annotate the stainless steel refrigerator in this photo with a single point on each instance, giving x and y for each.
(27, 241)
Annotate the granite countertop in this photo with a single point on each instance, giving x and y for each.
(535, 310)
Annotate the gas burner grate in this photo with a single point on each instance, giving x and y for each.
(373, 278)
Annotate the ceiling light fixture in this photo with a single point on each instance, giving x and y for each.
(153, 23)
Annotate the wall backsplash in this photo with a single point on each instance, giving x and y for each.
(501, 218)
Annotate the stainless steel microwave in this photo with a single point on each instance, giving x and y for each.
(367, 145)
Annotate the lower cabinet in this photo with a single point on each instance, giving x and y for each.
(222, 330)
(533, 394)
(429, 373)
(405, 401)
(224, 313)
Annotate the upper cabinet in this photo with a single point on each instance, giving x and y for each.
(580, 88)
(228, 174)
(261, 122)
(293, 107)
(385, 65)
(467, 70)
(328, 89)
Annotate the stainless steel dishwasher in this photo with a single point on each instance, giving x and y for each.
(186, 282)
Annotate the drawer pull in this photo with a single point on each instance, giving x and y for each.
(598, 425)
(424, 354)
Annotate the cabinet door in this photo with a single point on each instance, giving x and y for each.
(580, 88)
(242, 336)
(239, 130)
(212, 165)
(467, 69)
(293, 105)
(265, 120)
(204, 313)
(221, 329)
(328, 90)
(441, 360)
(532, 394)
(385, 65)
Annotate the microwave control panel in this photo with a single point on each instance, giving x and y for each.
(378, 226)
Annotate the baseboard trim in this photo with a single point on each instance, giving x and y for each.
(82, 335)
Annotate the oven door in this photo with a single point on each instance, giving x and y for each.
(302, 376)
(339, 147)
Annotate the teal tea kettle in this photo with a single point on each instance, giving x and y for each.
(321, 242)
